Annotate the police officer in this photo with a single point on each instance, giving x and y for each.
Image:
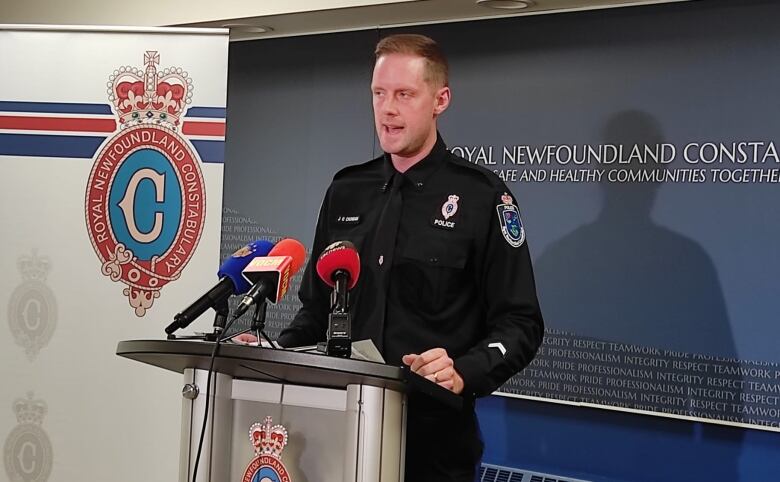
(446, 283)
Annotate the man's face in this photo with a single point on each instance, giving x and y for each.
(405, 105)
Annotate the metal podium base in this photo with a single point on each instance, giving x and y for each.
(352, 435)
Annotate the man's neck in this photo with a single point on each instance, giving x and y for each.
(403, 164)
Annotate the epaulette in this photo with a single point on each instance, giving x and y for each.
(491, 177)
(356, 168)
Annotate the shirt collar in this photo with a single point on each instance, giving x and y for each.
(419, 173)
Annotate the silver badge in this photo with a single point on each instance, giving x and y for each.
(32, 309)
(27, 452)
(450, 207)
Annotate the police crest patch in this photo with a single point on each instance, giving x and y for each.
(145, 199)
(450, 207)
(511, 224)
(268, 442)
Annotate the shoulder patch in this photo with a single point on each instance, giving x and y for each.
(509, 219)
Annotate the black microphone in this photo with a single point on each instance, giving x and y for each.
(339, 267)
(231, 282)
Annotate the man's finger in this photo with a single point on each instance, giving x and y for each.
(448, 384)
(439, 365)
(426, 357)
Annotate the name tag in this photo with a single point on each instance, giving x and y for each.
(348, 220)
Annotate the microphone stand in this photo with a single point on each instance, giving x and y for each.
(257, 327)
(339, 342)
(220, 319)
(222, 310)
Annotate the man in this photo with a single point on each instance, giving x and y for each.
(446, 283)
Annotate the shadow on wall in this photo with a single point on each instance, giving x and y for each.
(624, 278)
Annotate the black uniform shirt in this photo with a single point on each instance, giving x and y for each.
(460, 274)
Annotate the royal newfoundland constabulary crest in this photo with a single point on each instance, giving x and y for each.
(511, 225)
(268, 442)
(145, 199)
(450, 207)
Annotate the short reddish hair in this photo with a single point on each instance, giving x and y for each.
(437, 68)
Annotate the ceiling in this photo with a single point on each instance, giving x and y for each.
(396, 13)
(284, 17)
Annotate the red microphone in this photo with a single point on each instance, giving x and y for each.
(339, 267)
(339, 259)
(270, 275)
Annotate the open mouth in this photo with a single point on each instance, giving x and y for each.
(392, 130)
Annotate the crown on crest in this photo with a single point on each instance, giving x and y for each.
(268, 440)
(150, 96)
(30, 411)
(33, 267)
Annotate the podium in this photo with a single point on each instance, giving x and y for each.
(345, 418)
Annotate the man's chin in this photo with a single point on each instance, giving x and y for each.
(392, 147)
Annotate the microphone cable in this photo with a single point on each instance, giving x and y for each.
(208, 395)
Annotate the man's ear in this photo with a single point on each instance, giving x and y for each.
(442, 100)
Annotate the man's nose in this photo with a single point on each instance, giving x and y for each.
(389, 106)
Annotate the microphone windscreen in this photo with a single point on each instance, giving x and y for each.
(292, 248)
(340, 255)
(234, 265)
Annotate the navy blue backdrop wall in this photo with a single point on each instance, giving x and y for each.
(639, 143)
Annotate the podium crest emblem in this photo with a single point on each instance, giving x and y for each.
(268, 442)
(145, 198)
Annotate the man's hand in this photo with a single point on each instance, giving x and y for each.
(245, 339)
(436, 366)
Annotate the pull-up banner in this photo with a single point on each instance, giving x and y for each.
(641, 147)
(111, 157)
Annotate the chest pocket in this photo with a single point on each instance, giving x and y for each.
(350, 220)
(354, 234)
(432, 272)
